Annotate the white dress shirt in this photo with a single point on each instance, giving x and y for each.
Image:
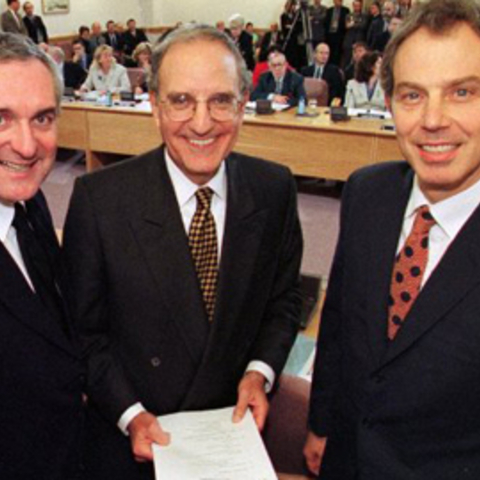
(185, 193)
(450, 216)
(8, 236)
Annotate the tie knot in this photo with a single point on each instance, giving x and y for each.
(423, 220)
(204, 197)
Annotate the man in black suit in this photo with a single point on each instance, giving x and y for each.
(336, 28)
(40, 371)
(242, 39)
(272, 38)
(280, 84)
(395, 390)
(132, 37)
(34, 24)
(113, 38)
(162, 330)
(326, 71)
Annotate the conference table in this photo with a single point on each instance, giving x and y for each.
(310, 146)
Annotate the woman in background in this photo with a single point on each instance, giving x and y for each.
(105, 74)
(365, 91)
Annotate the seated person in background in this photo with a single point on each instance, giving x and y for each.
(243, 40)
(132, 37)
(325, 71)
(359, 49)
(365, 91)
(80, 56)
(262, 65)
(84, 36)
(141, 58)
(272, 38)
(384, 38)
(279, 85)
(114, 39)
(105, 74)
(72, 74)
(96, 37)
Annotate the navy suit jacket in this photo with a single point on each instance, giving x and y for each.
(41, 411)
(138, 303)
(292, 87)
(32, 25)
(408, 409)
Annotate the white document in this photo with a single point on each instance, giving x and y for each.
(209, 446)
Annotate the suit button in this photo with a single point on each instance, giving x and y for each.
(155, 361)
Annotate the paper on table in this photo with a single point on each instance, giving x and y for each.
(209, 446)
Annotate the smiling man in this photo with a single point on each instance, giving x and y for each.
(40, 373)
(185, 263)
(395, 392)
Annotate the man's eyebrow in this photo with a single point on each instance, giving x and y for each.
(453, 83)
(43, 111)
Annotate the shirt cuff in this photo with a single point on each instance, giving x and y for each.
(265, 370)
(270, 97)
(128, 415)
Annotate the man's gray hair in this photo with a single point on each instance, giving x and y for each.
(22, 49)
(189, 34)
(438, 16)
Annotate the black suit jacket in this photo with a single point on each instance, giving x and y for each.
(119, 43)
(138, 303)
(292, 87)
(334, 78)
(73, 75)
(40, 378)
(130, 41)
(33, 25)
(409, 409)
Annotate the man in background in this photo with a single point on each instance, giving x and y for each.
(243, 40)
(280, 85)
(395, 392)
(10, 20)
(323, 70)
(188, 297)
(132, 37)
(34, 24)
(40, 368)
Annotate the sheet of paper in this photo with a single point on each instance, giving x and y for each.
(208, 446)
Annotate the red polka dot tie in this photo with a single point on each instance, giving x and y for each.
(202, 239)
(408, 271)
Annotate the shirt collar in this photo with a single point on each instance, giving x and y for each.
(450, 214)
(185, 189)
(7, 212)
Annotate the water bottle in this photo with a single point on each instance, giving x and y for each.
(301, 106)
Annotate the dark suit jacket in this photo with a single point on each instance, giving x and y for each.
(292, 87)
(245, 45)
(410, 409)
(33, 25)
(10, 25)
(73, 75)
(333, 77)
(40, 378)
(131, 41)
(139, 307)
(119, 41)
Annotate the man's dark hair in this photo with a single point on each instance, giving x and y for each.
(83, 29)
(438, 16)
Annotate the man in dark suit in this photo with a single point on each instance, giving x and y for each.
(280, 84)
(164, 331)
(34, 24)
(336, 28)
(132, 37)
(40, 370)
(273, 38)
(10, 20)
(113, 38)
(242, 39)
(326, 71)
(395, 390)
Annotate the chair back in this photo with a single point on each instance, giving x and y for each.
(317, 88)
(136, 76)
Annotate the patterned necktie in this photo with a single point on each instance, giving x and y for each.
(202, 239)
(408, 271)
(39, 262)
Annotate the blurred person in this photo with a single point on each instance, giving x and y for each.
(34, 24)
(71, 73)
(317, 14)
(357, 22)
(84, 36)
(80, 55)
(242, 39)
(132, 37)
(365, 90)
(10, 19)
(96, 37)
(105, 74)
(336, 27)
(272, 38)
(377, 25)
(114, 39)
(359, 49)
(142, 56)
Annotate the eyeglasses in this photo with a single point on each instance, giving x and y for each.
(182, 107)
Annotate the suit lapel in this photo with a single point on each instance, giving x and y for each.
(161, 236)
(455, 276)
(21, 302)
(384, 224)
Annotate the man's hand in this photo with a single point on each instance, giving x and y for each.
(144, 430)
(283, 99)
(313, 452)
(251, 393)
